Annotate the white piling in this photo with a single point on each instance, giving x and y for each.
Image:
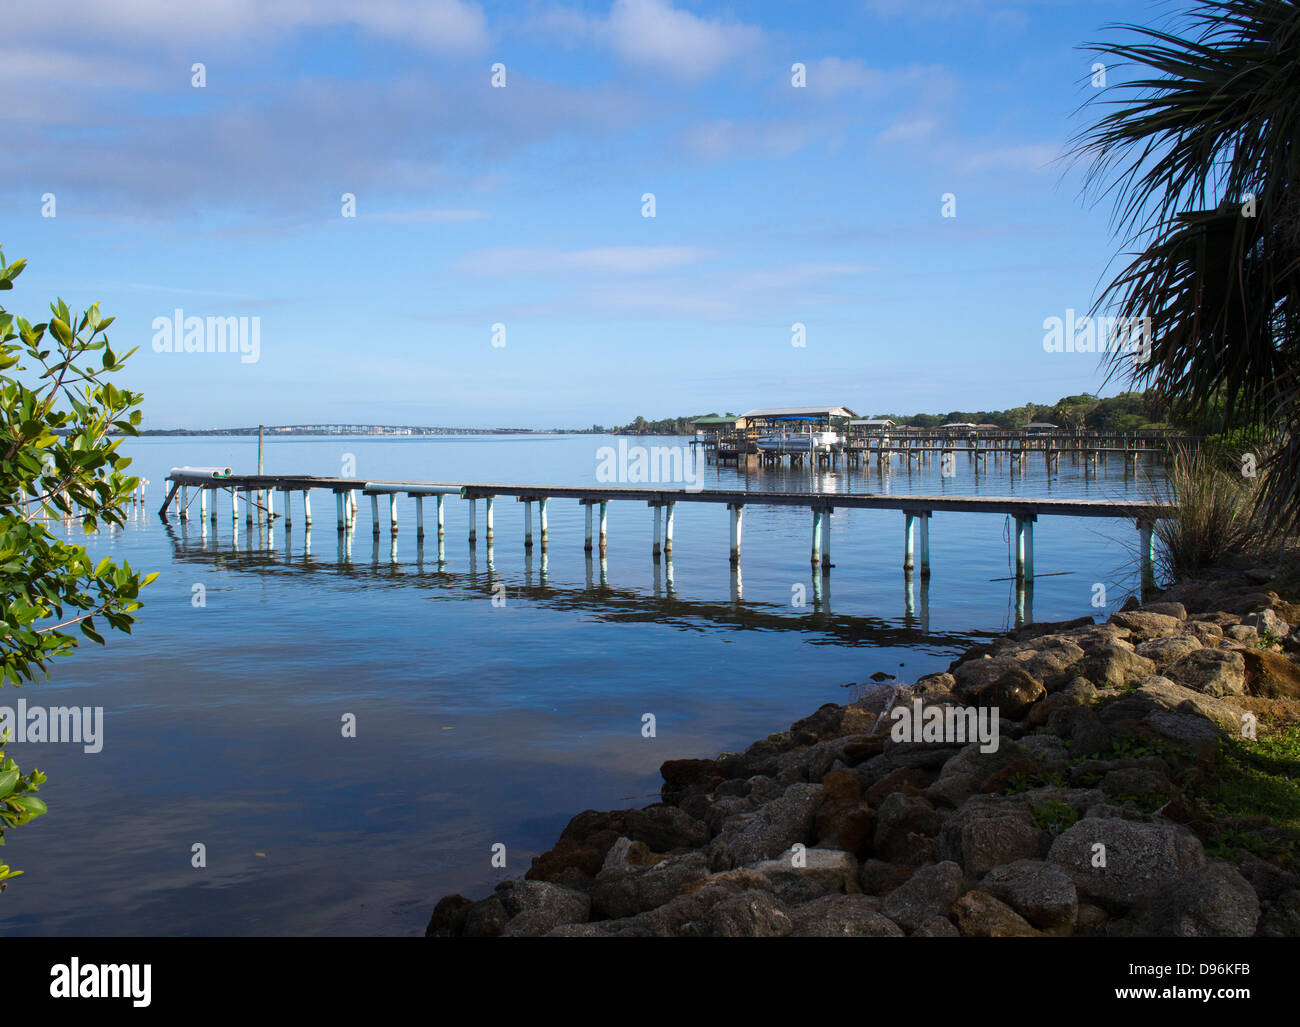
(419, 517)
(306, 508)
(473, 520)
(737, 512)
(909, 521)
(440, 529)
(587, 507)
(374, 513)
(925, 544)
(817, 537)
(541, 513)
(528, 524)
(487, 525)
(826, 540)
(658, 516)
(668, 528)
(604, 512)
(392, 513)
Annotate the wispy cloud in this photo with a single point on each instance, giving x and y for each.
(620, 259)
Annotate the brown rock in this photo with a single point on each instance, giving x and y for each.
(980, 915)
(1270, 674)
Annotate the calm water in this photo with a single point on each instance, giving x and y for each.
(476, 723)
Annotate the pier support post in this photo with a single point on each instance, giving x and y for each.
(1147, 552)
(1029, 549)
(826, 539)
(668, 528)
(374, 513)
(250, 501)
(817, 537)
(270, 505)
(203, 504)
(419, 517)
(392, 513)
(473, 521)
(288, 509)
(528, 523)
(925, 543)
(306, 508)
(541, 518)
(185, 502)
(1024, 548)
(487, 523)
(909, 523)
(440, 528)
(352, 508)
(587, 547)
(658, 512)
(737, 513)
(339, 510)
(604, 514)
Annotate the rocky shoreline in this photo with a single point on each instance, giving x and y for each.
(1116, 801)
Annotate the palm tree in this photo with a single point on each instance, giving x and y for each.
(1200, 151)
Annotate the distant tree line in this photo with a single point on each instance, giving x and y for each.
(1129, 411)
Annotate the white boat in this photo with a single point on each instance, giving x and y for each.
(787, 441)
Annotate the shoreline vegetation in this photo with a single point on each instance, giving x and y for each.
(1147, 784)
(1127, 412)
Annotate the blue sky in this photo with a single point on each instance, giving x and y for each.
(522, 205)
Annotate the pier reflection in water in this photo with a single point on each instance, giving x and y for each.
(266, 549)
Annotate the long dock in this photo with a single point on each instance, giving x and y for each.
(259, 491)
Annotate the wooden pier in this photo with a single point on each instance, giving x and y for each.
(259, 491)
(906, 448)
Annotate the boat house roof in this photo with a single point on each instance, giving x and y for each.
(817, 413)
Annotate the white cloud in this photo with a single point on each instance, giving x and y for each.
(1035, 157)
(439, 217)
(622, 259)
(655, 34)
(439, 25)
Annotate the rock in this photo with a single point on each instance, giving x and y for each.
(486, 918)
(773, 827)
(629, 890)
(681, 775)
(1039, 891)
(1110, 663)
(1175, 610)
(1267, 622)
(937, 927)
(1258, 575)
(928, 893)
(987, 831)
(842, 916)
(665, 828)
(1187, 728)
(1270, 675)
(898, 817)
(1140, 782)
(448, 920)
(1145, 625)
(751, 914)
(1052, 661)
(908, 780)
(1241, 633)
(842, 784)
(1204, 631)
(1160, 693)
(535, 907)
(1215, 672)
(1214, 901)
(980, 915)
(877, 877)
(1282, 917)
(823, 871)
(1161, 651)
(1011, 693)
(1141, 859)
(973, 675)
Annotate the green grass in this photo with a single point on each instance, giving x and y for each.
(1260, 778)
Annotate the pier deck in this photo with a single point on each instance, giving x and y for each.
(917, 510)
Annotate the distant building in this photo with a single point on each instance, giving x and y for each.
(766, 417)
(711, 427)
(871, 423)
